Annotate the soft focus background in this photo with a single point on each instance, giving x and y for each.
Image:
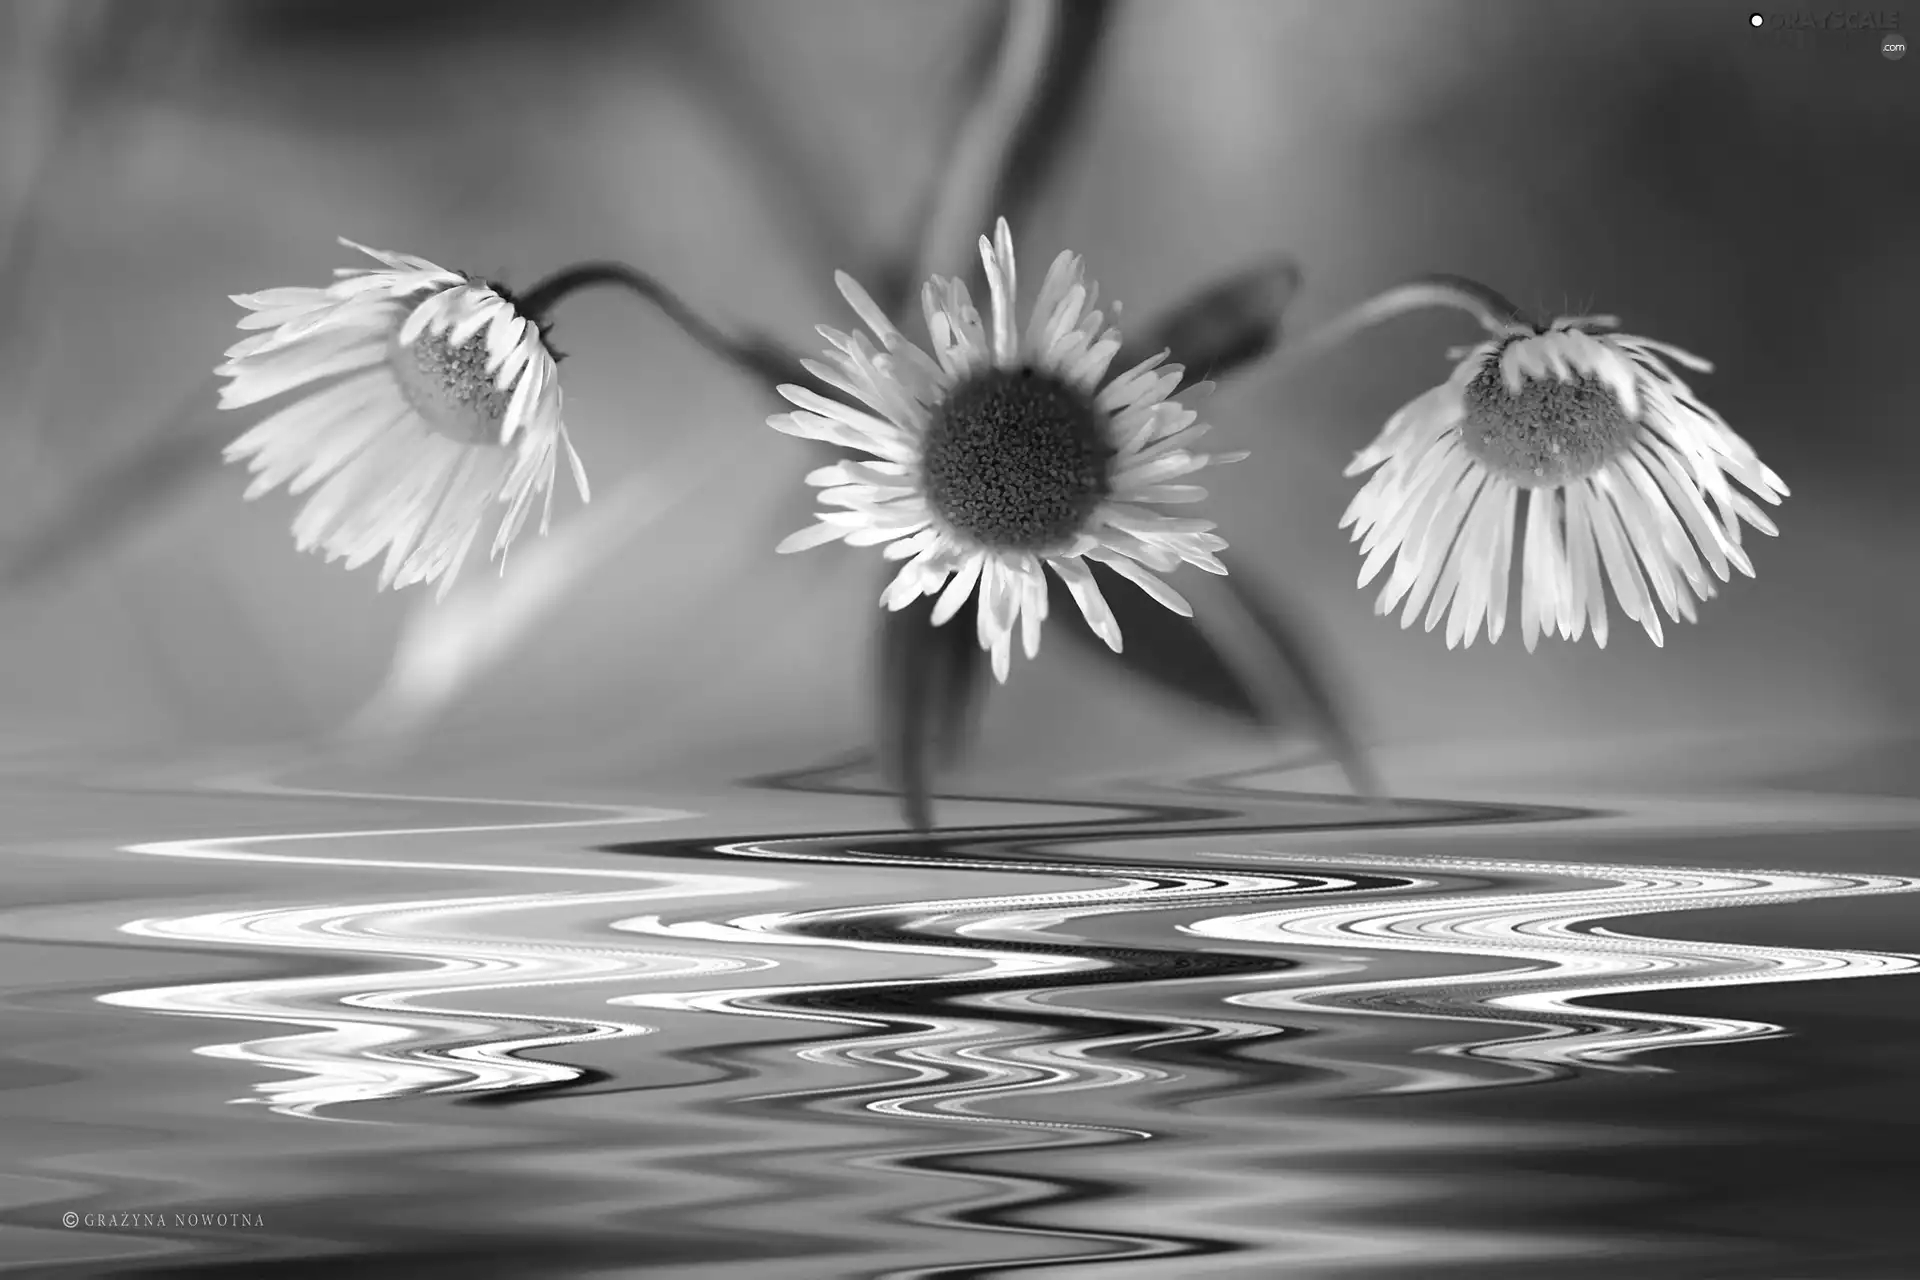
(1658, 160)
(601, 1004)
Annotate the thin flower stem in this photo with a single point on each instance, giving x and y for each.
(1495, 314)
(971, 175)
(758, 357)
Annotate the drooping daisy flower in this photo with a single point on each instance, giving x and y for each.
(1623, 472)
(424, 397)
(1005, 451)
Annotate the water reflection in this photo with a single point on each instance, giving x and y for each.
(1131, 1039)
(385, 1033)
(1555, 954)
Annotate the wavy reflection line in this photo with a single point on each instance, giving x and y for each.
(945, 1066)
(939, 1051)
(1005, 1073)
(395, 1033)
(1566, 958)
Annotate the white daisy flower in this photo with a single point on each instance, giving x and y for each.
(424, 398)
(1005, 451)
(1625, 475)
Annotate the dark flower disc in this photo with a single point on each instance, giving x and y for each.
(1016, 460)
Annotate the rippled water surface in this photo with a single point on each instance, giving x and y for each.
(1213, 1028)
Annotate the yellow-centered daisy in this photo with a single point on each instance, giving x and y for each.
(1625, 477)
(1005, 452)
(424, 398)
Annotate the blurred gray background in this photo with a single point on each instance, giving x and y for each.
(1649, 158)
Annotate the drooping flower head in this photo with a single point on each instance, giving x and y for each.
(424, 397)
(1004, 451)
(1628, 478)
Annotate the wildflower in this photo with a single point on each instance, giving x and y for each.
(1005, 451)
(1621, 466)
(424, 397)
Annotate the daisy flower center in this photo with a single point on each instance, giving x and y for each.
(1549, 432)
(450, 387)
(1016, 460)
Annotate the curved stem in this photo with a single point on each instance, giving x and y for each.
(970, 176)
(758, 356)
(1495, 313)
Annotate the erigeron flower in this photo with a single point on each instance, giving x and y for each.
(1623, 472)
(423, 398)
(1004, 452)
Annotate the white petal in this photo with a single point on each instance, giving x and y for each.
(265, 376)
(479, 309)
(1622, 569)
(993, 617)
(1642, 533)
(1536, 589)
(428, 313)
(1438, 547)
(810, 537)
(865, 423)
(1126, 388)
(885, 529)
(921, 371)
(1062, 278)
(1671, 474)
(396, 261)
(964, 580)
(1003, 283)
(1455, 575)
(1160, 591)
(923, 542)
(504, 338)
(1086, 593)
(1585, 561)
(1031, 586)
(1001, 655)
(1502, 566)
